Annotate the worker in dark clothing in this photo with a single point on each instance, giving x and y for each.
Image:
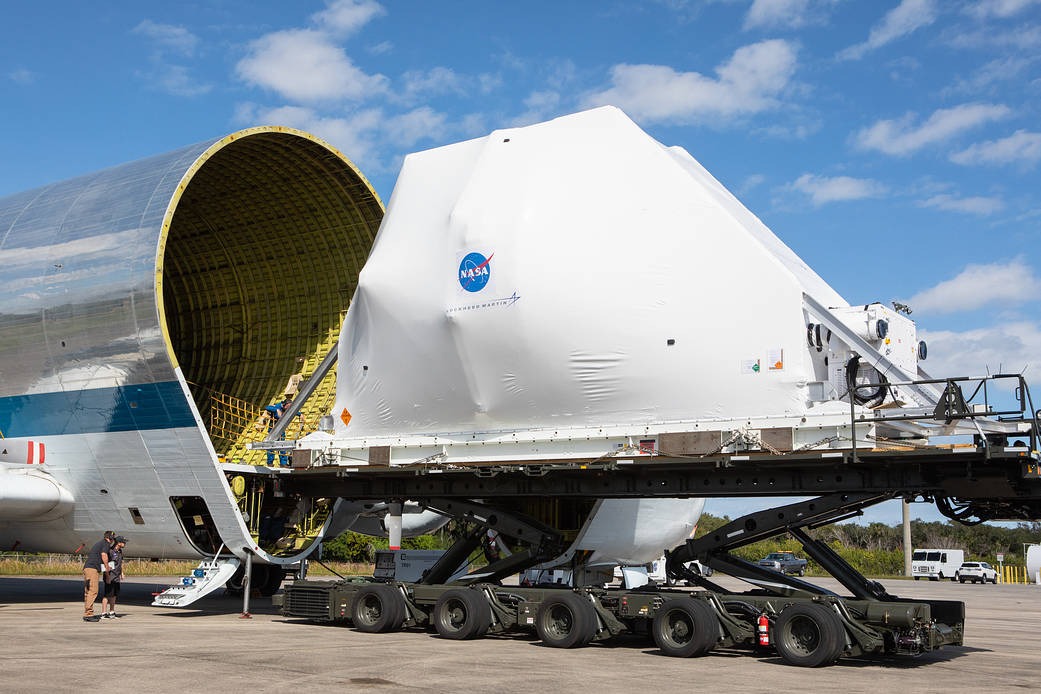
(95, 566)
(113, 578)
(275, 413)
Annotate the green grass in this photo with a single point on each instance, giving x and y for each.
(53, 566)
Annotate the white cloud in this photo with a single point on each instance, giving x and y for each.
(823, 189)
(436, 80)
(751, 182)
(176, 80)
(900, 21)
(1022, 146)
(423, 123)
(355, 135)
(21, 76)
(998, 8)
(541, 105)
(977, 205)
(792, 14)
(979, 285)
(345, 17)
(749, 82)
(1003, 348)
(988, 76)
(168, 37)
(901, 137)
(381, 48)
(1019, 37)
(305, 65)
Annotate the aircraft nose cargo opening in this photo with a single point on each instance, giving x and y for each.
(262, 253)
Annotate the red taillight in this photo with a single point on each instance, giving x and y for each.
(764, 630)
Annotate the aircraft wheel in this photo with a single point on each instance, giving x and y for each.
(234, 584)
(462, 614)
(269, 584)
(809, 635)
(567, 620)
(685, 628)
(378, 608)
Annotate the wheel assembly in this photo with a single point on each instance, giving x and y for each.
(809, 635)
(685, 628)
(462, 614)
(378, 608)
(567, 620)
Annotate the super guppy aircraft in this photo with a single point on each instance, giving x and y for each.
(147, 310)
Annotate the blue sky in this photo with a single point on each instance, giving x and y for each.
(893, 144)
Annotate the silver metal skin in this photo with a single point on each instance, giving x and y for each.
(128, 295)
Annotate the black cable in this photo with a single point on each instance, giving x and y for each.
(879, 394)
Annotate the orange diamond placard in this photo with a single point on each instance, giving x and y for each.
(345, 416)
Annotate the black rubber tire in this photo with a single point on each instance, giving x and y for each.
(802, 571)
(957, 576)
(962, 580)
(378, 608)
(917, 577)
(462, 614)
(272, 581)
(567, 620)
(809, 635)
(234, 584)
(685, 628)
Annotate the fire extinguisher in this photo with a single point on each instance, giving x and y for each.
(763, 629)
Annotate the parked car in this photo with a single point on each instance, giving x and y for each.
(977, 572)
(784, 562)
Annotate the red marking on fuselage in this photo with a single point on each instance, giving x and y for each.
(29, 455)
(43, 452)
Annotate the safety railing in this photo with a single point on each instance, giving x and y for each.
(240, 422)
(1017, 574)
(954, 406)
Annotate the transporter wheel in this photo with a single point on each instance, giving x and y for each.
(462, 614)
(378, 608)
(685, 628)
(809, 635)
(567, 620)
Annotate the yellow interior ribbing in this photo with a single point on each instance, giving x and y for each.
(261, 259)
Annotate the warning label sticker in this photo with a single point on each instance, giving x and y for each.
(750, 366)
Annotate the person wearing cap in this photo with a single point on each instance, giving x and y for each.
(113, 578)
(95, 565)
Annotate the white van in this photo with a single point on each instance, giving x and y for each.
(936, 564)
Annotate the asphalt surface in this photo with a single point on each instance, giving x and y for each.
(207, 647)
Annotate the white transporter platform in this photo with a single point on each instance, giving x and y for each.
(575, 289)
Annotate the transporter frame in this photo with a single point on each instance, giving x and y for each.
(997, 476)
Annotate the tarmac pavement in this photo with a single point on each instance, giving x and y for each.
(47, 647)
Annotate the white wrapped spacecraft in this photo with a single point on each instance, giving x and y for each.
(574, 288)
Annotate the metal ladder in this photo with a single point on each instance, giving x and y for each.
(210, 575)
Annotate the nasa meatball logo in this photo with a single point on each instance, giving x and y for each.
(475, 271)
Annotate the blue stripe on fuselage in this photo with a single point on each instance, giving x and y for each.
(97, 410)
